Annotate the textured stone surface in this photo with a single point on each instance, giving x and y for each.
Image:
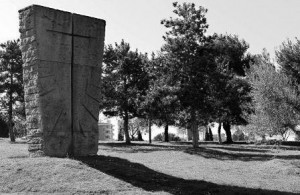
(86, 69)
(62, 54)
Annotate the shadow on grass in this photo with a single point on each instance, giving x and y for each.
(207, 152)
(151, 180)
(220, 152)
(140, 147)
(240, 149)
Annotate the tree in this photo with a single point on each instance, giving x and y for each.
(120, 131)
(232, 100)
(136, 127)
(188, 64)
(160, 103)
(125, 81)
(289, 60)
(11, 81)
(275, 98)
(219, 132)
(207, 135)
(211, 137)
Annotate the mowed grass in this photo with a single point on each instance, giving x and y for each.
(159, 168)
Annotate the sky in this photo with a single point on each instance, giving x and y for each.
(261, 23)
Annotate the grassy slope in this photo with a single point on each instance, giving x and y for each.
(54, 175)
(159, 168)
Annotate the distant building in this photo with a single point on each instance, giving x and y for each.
(105, 131)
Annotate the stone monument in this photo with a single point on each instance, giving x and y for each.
(62, 54)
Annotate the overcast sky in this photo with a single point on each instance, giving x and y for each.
(261, 23)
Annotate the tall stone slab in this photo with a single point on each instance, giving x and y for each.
(62, 54)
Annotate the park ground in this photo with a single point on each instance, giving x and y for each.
(159, 168)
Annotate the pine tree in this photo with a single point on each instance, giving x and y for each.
(125, 81)
(188, 64)
(11, 81)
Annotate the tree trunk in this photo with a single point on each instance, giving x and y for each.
(297, 137)
(211, 136)
(10, 121)
(166, 133)
(206, 134)
(219, 132)
(120, 134)
(139, 136)
(149, 129)
(226, 127)
(127, 138)
(189, 134)
(194, 129)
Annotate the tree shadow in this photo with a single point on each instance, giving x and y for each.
(241, 149)
(223, 155)
(151, 180)
(220, 152)
(140, 147)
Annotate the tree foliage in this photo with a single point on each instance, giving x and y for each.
(125, 81)
(275, 97)
(232, 98)
(160, 103)
(288, 57)
(188, 64)
(206, 72)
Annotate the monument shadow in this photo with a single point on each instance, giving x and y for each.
(154, 181)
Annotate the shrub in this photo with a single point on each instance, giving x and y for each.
(20, 128)
(161, 137)
(238, 136)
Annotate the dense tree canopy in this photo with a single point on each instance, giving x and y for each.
(160, 102)
(125, 82)
(288, 57)
(188, 64)
(232, 101)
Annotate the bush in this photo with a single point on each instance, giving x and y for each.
(20, 128)
(250, 137)
(161, 137)
(238, 136)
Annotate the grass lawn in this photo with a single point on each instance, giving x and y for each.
(160, 168)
